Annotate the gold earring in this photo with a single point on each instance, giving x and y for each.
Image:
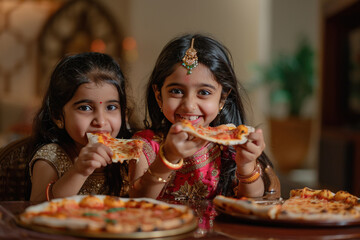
(59, 124)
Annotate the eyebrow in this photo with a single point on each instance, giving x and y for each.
(90, 101)
(181, 85)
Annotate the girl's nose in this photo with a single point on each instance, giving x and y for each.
(189, 104)
(99, 119)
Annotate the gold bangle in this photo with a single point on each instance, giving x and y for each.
(48, 191)
(136, 182)
(252, 177)
(158, 179)
(172, 166)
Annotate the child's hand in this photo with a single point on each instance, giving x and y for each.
(246, 154)
(179, 144)
(91, 157)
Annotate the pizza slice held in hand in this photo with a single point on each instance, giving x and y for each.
(123, 149)
(227, 134)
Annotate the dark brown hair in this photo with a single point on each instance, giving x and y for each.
(68, 75)
(217, 58)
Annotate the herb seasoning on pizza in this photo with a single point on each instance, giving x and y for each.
(226, 134)
(97, 214)
(123, 149)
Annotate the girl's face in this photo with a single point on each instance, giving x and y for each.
(93, 108)
(196, 97)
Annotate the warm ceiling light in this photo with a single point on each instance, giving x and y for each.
(129, 43)
(98, 45)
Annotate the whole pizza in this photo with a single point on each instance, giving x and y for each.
(96, 215)
(304, 205)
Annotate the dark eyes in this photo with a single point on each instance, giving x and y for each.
(176, 91)
(179, 91)
(84, 108)
(111, 107)
(204, 92)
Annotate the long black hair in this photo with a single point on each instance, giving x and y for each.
(68, 75)
(217, 58)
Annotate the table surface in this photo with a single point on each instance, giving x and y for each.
(211, 226)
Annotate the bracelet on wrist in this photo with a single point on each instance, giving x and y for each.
(157, 178)
(135, 185)
(172, 166)
(48, 191)
(252, 177)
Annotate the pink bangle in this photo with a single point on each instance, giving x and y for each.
(172, 166)
(48, 191)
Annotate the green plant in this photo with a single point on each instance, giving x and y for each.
(290, 77)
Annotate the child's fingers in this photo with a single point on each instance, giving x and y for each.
(96, 152)
(92, 164)
(176, 128)
(93, 159)
(257, 138)
(177, 134)
(199, 142)
(247, 156)
(103, 151)
(85, 166)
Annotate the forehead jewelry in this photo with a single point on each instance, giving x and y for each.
(190, 60)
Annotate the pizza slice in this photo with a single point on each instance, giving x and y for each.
(244, 205)
(305, 204)
(123, 149)
(312, 193)
(226, 134)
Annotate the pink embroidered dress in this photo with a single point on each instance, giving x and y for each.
(199, 176)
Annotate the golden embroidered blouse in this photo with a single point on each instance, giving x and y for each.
(54, 155)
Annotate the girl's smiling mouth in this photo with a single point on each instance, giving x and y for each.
(191, 118)
(194, 119)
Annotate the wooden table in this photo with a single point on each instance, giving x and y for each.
(211, 226)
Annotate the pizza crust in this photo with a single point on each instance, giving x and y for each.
(226, 134)
(304, 204)
(243, 206)
(135, 215)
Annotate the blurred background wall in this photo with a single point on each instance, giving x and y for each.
(34, 34)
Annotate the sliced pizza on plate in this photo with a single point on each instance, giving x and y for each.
(305, 206)
(103, 216)
(226, 134)
(123, 149)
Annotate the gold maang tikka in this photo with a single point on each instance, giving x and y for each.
(190, 60)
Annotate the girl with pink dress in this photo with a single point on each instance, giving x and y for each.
(194, 79)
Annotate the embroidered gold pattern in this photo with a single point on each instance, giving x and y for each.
(57, 157)
(196, 191)
(215, 172)
(192, 165)
(200, 159)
